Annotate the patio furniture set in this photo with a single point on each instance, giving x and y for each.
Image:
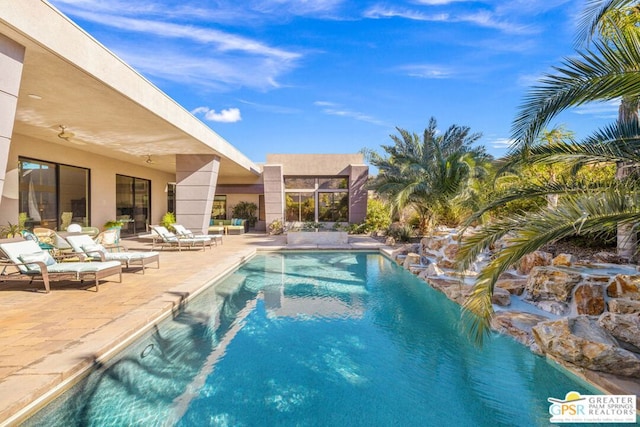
(80, 257)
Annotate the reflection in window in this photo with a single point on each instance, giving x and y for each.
(48, 191)
(133, 203)
(171, 197)
(219, 210)
(333, 207)
(299, 183)
(332, 183)
(300, 207)
(329, 195)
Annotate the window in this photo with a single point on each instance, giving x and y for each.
(49, 190)
(333, 207)
(219, 210)
(300, 207)
(171, 197)
(317, 199)
(133, 203)
(261, 212)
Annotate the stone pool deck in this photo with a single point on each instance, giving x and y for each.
(46, 340)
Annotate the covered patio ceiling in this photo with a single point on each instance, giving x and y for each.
(132, 122)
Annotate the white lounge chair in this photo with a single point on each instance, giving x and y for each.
(84, 244)
(183, 232)
(32, 263)
(168, 239)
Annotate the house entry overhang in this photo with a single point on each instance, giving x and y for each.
(70, 79)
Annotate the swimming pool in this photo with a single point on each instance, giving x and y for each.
(330, 338)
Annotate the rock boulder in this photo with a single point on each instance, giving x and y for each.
(625, 327)
(589, 299)
(534, 259)
(551, 285)
(625, 286)
(582, 342)
(623, 306)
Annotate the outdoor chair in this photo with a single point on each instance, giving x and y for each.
(183, 232)
(83, 244)
(165, 238)
(27, 261)
(54, 243)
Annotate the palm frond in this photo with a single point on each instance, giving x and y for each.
(608, 72)
(585, 214)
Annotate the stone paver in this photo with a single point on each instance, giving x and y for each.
(48, 339)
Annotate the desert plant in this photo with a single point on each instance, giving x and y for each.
(276, 227)
(10, 230)
(168, 220)
(401, 232)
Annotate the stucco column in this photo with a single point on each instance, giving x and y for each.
(358, 176)
(11, 60)
(196, 179)
(273, 193)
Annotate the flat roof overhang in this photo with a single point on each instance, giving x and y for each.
(110, 108)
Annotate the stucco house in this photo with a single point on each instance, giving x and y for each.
(86, 138)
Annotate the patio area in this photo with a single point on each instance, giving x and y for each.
(46, 340)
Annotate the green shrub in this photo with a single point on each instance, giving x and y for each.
(247, 211)
(378, 216)
(401, 232)
(168, 220)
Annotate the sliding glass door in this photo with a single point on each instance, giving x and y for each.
(133, 204)
(50, 192)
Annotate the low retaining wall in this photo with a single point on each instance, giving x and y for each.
(317, 238)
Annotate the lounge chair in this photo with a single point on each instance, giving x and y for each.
(32, 263)
(81, 243)
(168, 239)
(53, 242)
(184, 232)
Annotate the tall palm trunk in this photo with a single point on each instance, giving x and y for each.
(627, 238)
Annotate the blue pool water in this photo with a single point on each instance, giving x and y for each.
(316, 339)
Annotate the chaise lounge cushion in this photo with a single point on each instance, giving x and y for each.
(28, 251)
(40, 256)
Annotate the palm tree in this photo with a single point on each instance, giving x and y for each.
(609, 70)
(427, 173)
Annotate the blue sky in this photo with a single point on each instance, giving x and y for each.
(336, 76)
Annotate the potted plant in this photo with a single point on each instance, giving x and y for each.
(113, 224)
(11, 230)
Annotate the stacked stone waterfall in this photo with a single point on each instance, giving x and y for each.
(580, 314)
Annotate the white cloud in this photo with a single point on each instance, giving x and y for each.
(334, 109)
(501, 143)
(439, 2)
(481, 18)
(229, 115)
(601, 110)
(378, 12)
(428, 71)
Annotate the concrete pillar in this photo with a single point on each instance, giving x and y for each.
(273, 193)
(358, 176)
(196, 179)
(11, 61)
